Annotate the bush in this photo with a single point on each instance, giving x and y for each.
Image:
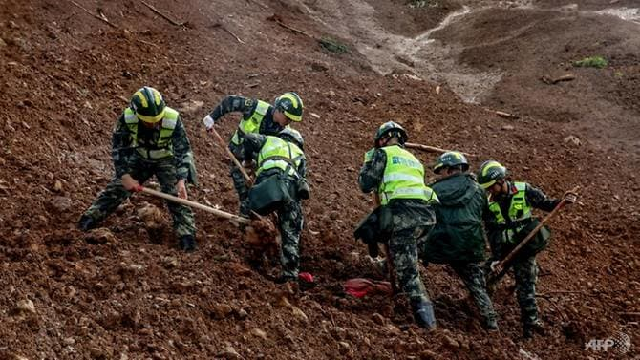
(332, 45)
(597, 62)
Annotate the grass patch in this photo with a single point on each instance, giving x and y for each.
(598, 62)
(333, 46)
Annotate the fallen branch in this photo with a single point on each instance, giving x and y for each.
(173, 22)
(278, 21)
(148, 43)
(565, 77)
(103, 19)
(229, 32)
(629, 313)
(502, 113)
(431, 148)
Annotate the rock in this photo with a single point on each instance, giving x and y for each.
(259, 333)
(18, 357)
(507, 127)
(57, 186)
(100, 236)
(69, 341)
(192, 106)
(299, 314)
(242, 313)
(573, 140)
(451, 342)
(221, 311)
(344, 347)
(170, 261)
(319, 66)
(229, 353)
(378, 319)
(151, 215)
(61, 204)
(283, 301)
(24, 307)
(2, 43)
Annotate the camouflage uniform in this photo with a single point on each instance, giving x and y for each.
(524, 265)
(458, 238)
(127, 160)
(411, 219)
(247, 107)
(290, 216)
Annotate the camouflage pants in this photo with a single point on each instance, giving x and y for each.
(404, 253)
(290, 223)
(239, 182)
(526, 274)
(472, 275)
(165, 171)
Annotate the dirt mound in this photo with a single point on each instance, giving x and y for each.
(124, 292)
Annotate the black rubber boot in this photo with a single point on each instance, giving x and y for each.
(490, 324)
(86, 223)
(424, 314)
(528, 330)
(188, 243)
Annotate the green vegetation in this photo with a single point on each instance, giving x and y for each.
(598, 62)
(332, 45)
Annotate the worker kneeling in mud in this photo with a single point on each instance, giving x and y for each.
(281, 170)
(404, 214)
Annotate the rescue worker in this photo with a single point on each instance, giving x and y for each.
(397, 178)
(149, 139)
(280, 186)
(258, 117)
(458, 238)
(511, 204)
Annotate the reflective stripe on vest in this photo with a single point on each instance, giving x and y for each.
(273, 155)
(519, 210)
(251, 124)
(167, 126)
(403, 177)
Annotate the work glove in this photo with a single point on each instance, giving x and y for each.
(570, 197)
(208, 122)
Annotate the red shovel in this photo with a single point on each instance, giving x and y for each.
(360, 287)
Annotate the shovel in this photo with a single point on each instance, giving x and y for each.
(247, 178)
(498, 271)
(258, 230)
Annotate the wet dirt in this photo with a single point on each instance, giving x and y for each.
(124, 292)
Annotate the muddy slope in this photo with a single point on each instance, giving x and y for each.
(129, 294)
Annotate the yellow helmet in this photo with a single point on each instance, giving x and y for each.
(290, 104)
(148, 104)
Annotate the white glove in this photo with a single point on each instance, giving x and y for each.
(208, 122)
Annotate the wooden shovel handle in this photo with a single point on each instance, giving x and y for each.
(233, 157)
(225, 215)
(431, 148)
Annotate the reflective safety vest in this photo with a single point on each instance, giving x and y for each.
(519, 211)
(403, 177)
(164, 145)
(277, 153)
(251, 125)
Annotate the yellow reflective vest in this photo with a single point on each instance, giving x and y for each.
(519, 210)
(403, 177)
(167, 126)
(277, 153)
(251, 124)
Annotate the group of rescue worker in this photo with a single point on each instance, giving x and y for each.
(444, 223)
